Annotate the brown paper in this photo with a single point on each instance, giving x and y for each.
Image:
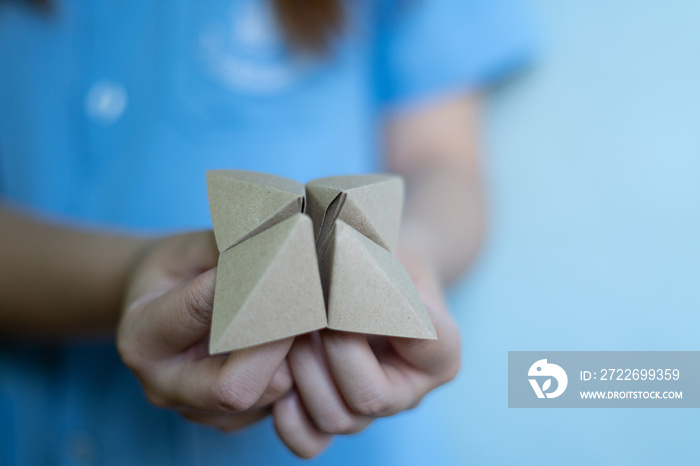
(245, 203)
(371, 204)
(270, 283)
(369, 290)
(267, 288)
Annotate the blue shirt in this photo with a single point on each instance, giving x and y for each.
(110, 114)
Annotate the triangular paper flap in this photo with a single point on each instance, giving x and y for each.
(268, 288)
(245, 203)
(369, 291)
(372, 205)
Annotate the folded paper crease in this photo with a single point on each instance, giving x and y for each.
(369, 291)
(243, 204)
(268, 288)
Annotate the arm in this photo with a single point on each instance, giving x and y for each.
(435, 149)
(343, 381)
(157, 294)
(60, 281)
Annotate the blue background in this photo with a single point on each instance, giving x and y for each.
(593, 167)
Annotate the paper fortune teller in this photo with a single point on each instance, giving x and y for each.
(295, 258)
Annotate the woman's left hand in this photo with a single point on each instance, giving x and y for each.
(343, 381)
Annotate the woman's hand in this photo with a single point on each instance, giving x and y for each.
(163, 334)
(343, 381)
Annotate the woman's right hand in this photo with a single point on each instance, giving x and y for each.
(163, 338)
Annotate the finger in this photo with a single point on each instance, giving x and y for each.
(221, 383)
(175, 320)
(229, 422)
(295, 428)
(280, 385)
(200, 252)
(315, 386)
(368, 387)
(163, 263)
(439, 358)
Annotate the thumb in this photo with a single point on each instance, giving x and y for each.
(197, 253)
(174, 321)
(166, 262)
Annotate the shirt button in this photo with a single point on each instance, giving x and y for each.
(106, 102)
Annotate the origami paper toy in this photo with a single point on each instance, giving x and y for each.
(295, 259)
